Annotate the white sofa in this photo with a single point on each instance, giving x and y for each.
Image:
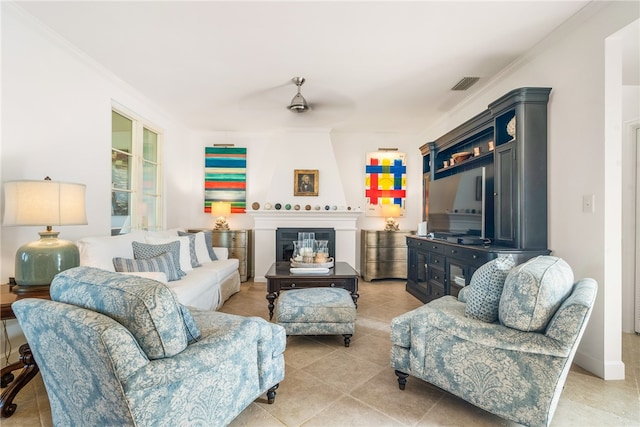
(205, 287)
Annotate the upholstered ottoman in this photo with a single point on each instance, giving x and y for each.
(317, 311)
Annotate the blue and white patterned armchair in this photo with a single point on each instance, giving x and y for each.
(506, 344)
(117, 350)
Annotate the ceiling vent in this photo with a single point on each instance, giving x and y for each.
(465, 83)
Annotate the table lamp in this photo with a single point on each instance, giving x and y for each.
(221, 210)
(391, 212)
(44, 203)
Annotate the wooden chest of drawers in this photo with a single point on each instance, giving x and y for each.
(239, 243)
(383, 254)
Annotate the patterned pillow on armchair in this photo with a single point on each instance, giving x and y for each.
(483, 293)
(533, 292)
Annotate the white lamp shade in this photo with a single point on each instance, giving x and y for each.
(391, 210)
(44, 202)
(220, 209)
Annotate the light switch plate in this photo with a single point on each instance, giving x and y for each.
(588, 201)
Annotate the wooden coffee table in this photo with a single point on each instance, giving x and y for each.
(279, 278)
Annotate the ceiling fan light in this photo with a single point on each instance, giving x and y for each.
(298, 104)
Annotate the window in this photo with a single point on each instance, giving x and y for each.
(136, 199)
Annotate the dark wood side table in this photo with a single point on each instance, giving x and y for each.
(26, 363)
(279, 278)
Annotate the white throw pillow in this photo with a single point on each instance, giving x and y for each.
(201, 241)
(201, 247)
(99, 251)
(185, 257)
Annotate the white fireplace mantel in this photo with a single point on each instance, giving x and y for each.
(266, 223)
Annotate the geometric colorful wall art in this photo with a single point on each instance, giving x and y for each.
(385, 181)
(225, 177)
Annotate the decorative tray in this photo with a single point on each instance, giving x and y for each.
(309, 270)
(298, 264)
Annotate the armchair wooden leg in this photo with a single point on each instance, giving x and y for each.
(402, 379)
(347, 339)
(271, 394)
(29, 370)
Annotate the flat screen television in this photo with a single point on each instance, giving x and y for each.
(456, 204)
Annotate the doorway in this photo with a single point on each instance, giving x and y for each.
(637, 228)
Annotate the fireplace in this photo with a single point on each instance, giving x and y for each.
(268, 221)
(286, 236)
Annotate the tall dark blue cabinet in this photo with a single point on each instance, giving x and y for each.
(508, 139)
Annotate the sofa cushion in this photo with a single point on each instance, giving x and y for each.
(533, 291)
(222, 268)
(148, 250)
(147, 308)
(483, 293)
(159, 276)
(162, 263)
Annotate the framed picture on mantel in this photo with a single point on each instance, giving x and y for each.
(305, 182)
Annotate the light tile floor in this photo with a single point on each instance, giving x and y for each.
(327, 384)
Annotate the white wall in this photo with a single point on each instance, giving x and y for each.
(56, 121)
(271, 160)
(572, 62)
(630, 120)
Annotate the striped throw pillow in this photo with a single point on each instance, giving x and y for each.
(163, 262)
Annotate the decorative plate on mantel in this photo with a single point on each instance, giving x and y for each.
(511, 127)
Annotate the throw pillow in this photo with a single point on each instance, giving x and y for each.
(533, 291)
(185, 254)
(462, 294)
(193, 331)
(208, 237)
(484, 290)
(200, 244)
(148, 309)
(146, 251)
(193, 255)
(163, 263)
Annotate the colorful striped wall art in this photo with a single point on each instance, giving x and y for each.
(385, 181)
(225, 177)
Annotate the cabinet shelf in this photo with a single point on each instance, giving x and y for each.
(471, 161)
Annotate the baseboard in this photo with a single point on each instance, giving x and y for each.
(605, 370)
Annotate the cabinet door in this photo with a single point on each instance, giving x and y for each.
(458, 275)
(418, 268)
(505, 195)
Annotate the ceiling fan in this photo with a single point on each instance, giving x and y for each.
(298, 104)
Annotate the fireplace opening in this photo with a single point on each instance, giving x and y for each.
(286, 236)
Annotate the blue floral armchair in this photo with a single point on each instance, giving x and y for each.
(505, 344)
(118, 350)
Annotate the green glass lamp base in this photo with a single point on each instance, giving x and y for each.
(38, 262)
